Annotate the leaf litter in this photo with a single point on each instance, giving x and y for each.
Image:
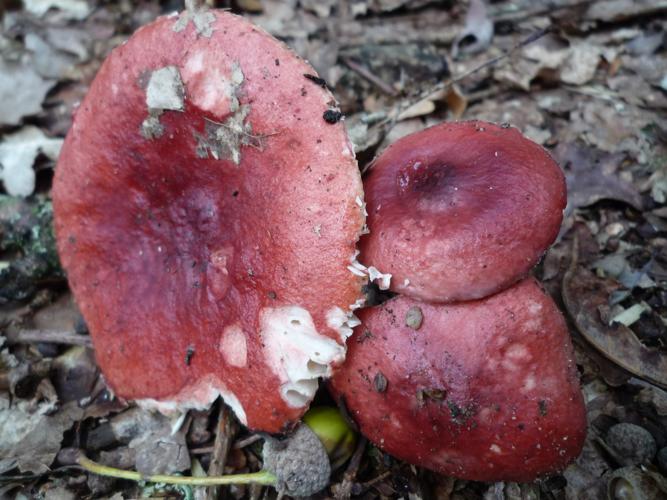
(587, 80)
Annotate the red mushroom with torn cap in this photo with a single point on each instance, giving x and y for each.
(461, 210)
(484, 390)
(206, 216)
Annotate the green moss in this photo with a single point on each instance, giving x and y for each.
(27, 247)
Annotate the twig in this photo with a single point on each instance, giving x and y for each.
(533, 37)
(247, 441)
(202, 451)
(344, 488)
(520, 15)
(261, 477)
(32, 477)
(49, 337)
(223, 439)
(388, 123)
(376, 480)
(366, 73)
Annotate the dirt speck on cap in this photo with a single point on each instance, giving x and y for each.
(414, 318)
(151, 128)
(165, 90)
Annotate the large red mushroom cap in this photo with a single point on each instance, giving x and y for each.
(206, 214)
(461, 210)
(484, 390)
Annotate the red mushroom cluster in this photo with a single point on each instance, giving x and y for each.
(208, 227)
(470, 370)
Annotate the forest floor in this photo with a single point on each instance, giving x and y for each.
(586, 79)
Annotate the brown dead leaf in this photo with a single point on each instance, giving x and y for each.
(161, 452)
(75, 374)
(477, 33)
(585, 297)
(637, 91)
(432, 25)
(581, 64)
(31, 437)
(591, 176)
(12, 370)
(520, 112)
(585, 475)
(654, 396)
(22, 90)
(620, 10)
(457, 103)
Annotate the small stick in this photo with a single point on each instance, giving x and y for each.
(202, 451)
(366, 73)
(344, 491)
(223, 439)
(247, 441)
(50, 337)
(391, 120)
(261, 477)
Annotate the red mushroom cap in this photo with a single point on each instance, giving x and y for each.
(461, 210)
(206, 214)
(484, 390)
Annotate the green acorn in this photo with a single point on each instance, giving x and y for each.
(338, 438)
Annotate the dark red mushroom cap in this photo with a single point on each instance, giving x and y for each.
(461, 210)
(206, 215)
(484, 390)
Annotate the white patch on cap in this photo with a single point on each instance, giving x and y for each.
(197, 396)
(518, 352)
(165, 90)
(515, 356)
(534, 322)
(233, 346)
(210, 86)
(486, 415)
(341, 321)
(217, 271)
(296, 352)
(534, 307)
(529, 384)
(495, 449)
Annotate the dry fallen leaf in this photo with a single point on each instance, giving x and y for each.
(585, 297)
(32, 436)
(70, 9)
(22, 90)
(159, 450)
(477, 32)
(581, 64)
(619, 10)
(17, 154)
(591, 176)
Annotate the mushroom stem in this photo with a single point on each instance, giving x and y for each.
(261, 477)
